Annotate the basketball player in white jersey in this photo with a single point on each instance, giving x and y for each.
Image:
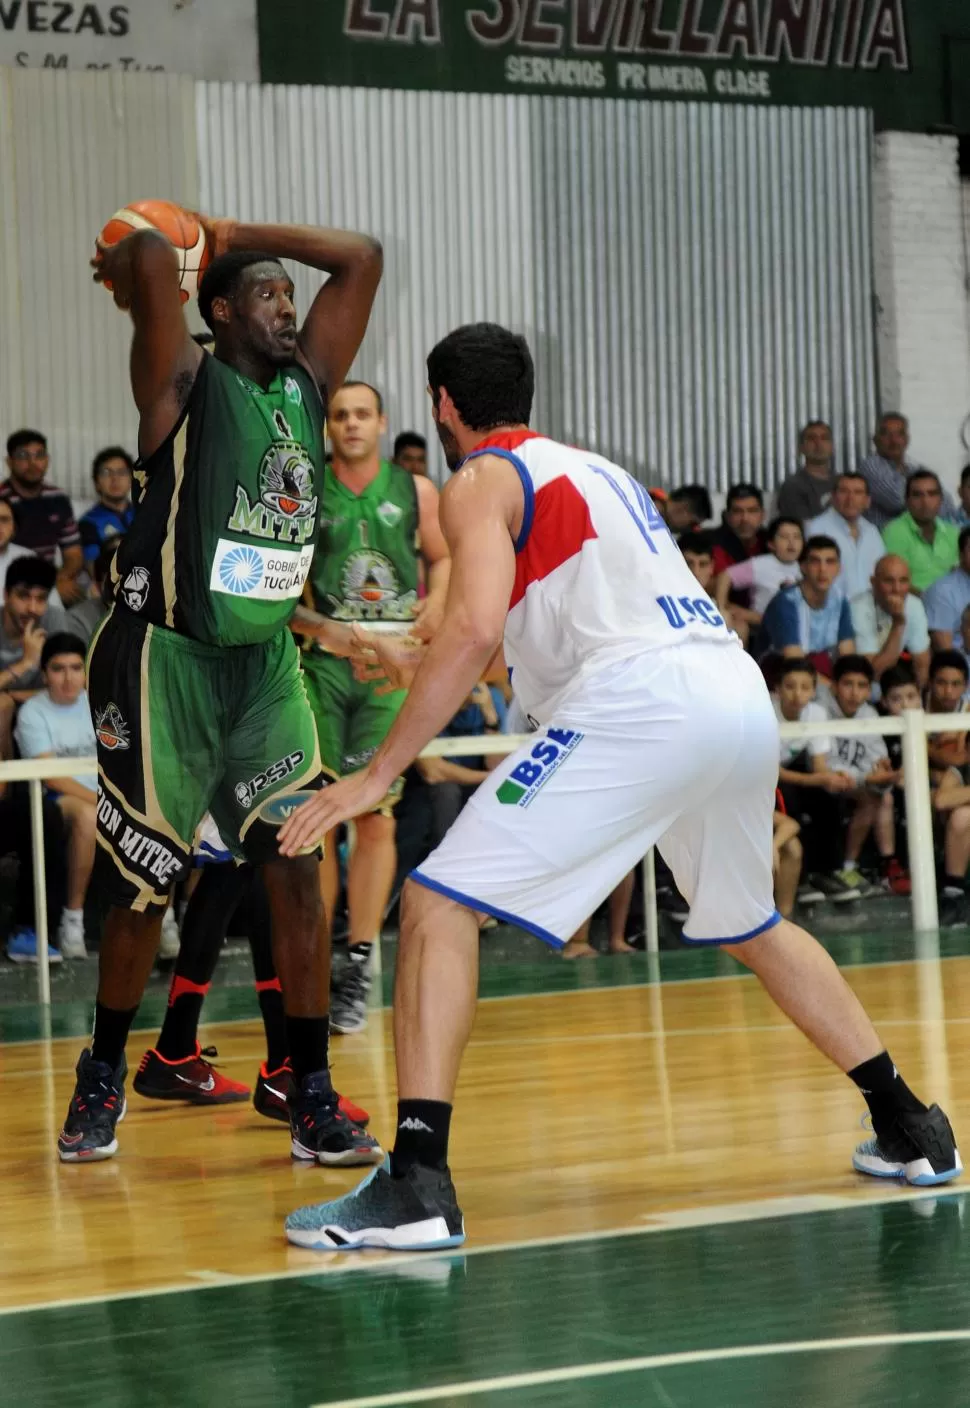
(654, 728)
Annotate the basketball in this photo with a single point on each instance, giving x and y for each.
(178, 225)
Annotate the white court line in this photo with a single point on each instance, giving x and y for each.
(671, 1221)
(647, 1361)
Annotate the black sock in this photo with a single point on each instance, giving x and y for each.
(268, 991)
(954, 882)
(274, 1022)
(422, 1135)
(180, 1030)
(885, 1091)
(308, 1042)
(111, 1029)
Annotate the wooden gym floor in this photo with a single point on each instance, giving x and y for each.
(654, 1169)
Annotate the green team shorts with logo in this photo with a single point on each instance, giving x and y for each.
(185, 728)
(352, 718)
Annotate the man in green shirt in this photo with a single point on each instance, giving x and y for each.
(376, 521)
(919, 536)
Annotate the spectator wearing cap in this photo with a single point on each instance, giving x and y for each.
(889, 470)
(411, 452)
(889, 621)
(687, 508)
(920, 536)
(948, 597)
(804, 494)
(43, 513)
(860, 542)
(812, 619)
(111, 516)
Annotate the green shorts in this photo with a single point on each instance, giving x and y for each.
(352, 718)
(183, 729)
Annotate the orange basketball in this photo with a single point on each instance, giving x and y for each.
(178, 225)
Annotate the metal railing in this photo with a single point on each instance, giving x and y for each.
(913, 727)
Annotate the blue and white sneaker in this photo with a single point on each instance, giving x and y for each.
(22, 947)
(418, 1212)
(919, 1147)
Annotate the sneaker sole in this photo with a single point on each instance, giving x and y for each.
(190, 1097)
(429, 1236)
(919, 1173)
(345, 1158)
(92, 1156)
(347, 1028)
(268, 1112)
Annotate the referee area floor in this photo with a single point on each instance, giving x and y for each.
(655, 1172)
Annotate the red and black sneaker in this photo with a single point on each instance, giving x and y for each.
(321, 1133)
(896, 878)
(192, 1079)
(269, 1097)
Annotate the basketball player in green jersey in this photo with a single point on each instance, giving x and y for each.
(376, 520)
(194, 679)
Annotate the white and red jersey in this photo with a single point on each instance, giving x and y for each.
(598, 577)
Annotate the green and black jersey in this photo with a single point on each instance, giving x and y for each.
(366, 567)
(227, 510)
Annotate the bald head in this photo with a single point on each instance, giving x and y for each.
(891, 582)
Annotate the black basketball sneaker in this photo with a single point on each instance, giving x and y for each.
(97, 1106)
(272, 1089)
(417, 1212)
(918, 1146)
(321, 1132)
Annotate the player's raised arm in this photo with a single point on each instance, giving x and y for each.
(335, 325)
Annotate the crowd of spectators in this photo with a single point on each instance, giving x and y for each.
(855, 600)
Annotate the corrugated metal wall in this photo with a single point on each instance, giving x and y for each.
(695, 279)
(73, 148)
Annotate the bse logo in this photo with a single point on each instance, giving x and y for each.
(241, 571)
(532, 774)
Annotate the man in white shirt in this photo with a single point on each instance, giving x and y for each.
(889, 620)
(860, 543)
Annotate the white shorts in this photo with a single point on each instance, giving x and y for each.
(677, 748)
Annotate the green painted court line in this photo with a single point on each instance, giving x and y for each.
(646, 1361)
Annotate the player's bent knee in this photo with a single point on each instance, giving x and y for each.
(420, 904)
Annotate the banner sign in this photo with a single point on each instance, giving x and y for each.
(887, 54)
(204, 38)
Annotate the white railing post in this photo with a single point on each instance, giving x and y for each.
(650, 902)
(919, 820)
(40, 890)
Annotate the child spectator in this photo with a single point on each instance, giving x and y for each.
(687, 508)
(26, 619)
(698, 554)
(812, 618)
(56, 723)
(786, 862)
(947, 694)
(765, 575)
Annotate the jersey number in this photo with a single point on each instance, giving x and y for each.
(638, 504)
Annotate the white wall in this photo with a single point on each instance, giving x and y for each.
(923, 299)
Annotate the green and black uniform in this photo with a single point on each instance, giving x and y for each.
(194, 680)
(365, 570)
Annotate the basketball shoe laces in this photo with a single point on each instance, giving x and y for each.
(98, 1096)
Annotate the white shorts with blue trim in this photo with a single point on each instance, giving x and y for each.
(677, 748)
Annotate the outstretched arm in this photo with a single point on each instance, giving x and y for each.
(338, 316)
(478, 510)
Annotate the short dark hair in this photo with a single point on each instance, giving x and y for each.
(20, 438)
(222, 278)
(694, 497)
(488, 372)
(895, 676)
(964, 538)
(779, 522)
(63, 643)
(744, 491)
(965, 474)
(409, 440)
(809, 424)
(851, 474)
(891, 415)
(696, 542)
(853, 665)
(802, 666)
(349, 385)
(819, 543)
(923, 474)
(31, 572)
(942, 660)
(110, 452)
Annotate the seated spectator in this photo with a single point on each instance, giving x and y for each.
(920, 535)
(56, 723)
(804, 494)
(699, 556)
(44, 516)
(962, 516)
(85, 618)
(786, 862)
(947, 694)
(411, 452)
(111, 516)
(15, 839)
(454, 780)
(865, 761)
(687, 508)
(763, 576)
(26, 619)
(889, 621)
(899, 693)
(808, 790)
(812, 618)
(948, 598)
(888, 471)
(9, 550)
(741, 534)
(860, 542)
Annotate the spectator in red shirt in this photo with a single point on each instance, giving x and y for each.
(741, 534)
(44, 515)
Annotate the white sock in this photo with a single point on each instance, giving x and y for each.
(73, 916)
(848, 864)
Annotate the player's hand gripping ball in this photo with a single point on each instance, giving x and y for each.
(182, 227)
